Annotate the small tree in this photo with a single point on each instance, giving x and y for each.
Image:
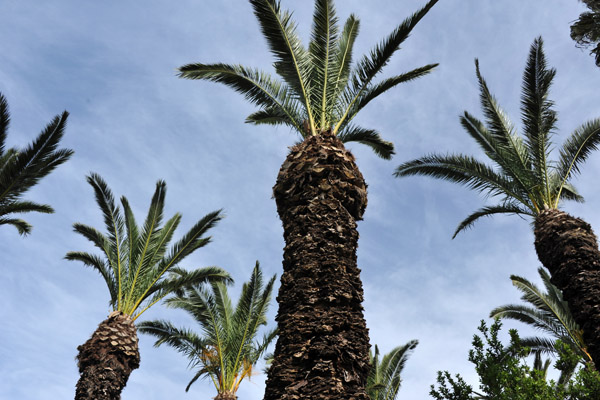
(226, 351)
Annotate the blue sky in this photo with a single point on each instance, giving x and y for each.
(112, 65)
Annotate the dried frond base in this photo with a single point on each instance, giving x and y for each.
(106, 360)
(323, 346)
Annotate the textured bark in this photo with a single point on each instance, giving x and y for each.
(106, 360)
(323, 347)
(568, 248)
(226, 396)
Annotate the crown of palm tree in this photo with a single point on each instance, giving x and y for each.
(20, 170)
(226, 351)
(549, 312)
(137, 264)
(384, 378)
(522, 173)
(320, 89)
(586, 30)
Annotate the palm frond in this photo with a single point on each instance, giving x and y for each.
(369, 137)
(372, 91)
(258, 87)
(372, 64)
(22, 226)
(20, 207)
(467, 171)
(4, 122)
(576, 149)
(322, 60)
(34, 162)
(488, 211)
(536, 110)
(343, 62)
(292, 59)
(97, 263)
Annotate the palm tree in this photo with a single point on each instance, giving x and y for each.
(139, 269)
(323, 345)
(20, 170)
(547, 311)
(586, 30)
(226, 351)
(528, 183)
(384, 379)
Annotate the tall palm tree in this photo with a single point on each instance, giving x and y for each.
(547, 311)
(586, 30)
(323, 345)
(226, 351)
(139, 269)
(529, 184)
(384, 379)
(20, 170)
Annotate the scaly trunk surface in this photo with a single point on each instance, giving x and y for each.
(323, 347)
(226, 396)
(568, 248)
(106, 360)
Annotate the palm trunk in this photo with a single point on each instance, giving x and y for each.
(568, 248)
(323, 346)
(226, 396)
(106, 360)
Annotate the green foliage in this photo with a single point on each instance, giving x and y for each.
(319, 89)
(504, 374)
(137, 264)
(226, 351)
(547, 312)
(21, 169)
(521, 173)
(586, 30)
(383, 382)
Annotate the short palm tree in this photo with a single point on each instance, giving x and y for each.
(139, 269)
(323, 345)
(20, 170)
(527, 182)
(547, 311)
(586, 30)
(226, 350)
(384, 379)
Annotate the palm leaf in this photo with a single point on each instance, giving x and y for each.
(369, 137)
(292, 60)
(488, 211)
(258, 87)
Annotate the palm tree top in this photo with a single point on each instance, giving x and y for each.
(226, 350)
(137, 264)
(320, 89)
(21, 169)
(522, 173)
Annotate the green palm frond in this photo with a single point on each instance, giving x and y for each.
(372, 64)
(383, 382)
(507, 207)
(322, 51)
(293, 62)
(521, 172)
(538, 117)
(546, 311)
(320, 90)
(258, 87)
(369, 137)
(465, 170)
(225, 351)
(576, 149)
(21, 169)
(139, 265)
(364, 95)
